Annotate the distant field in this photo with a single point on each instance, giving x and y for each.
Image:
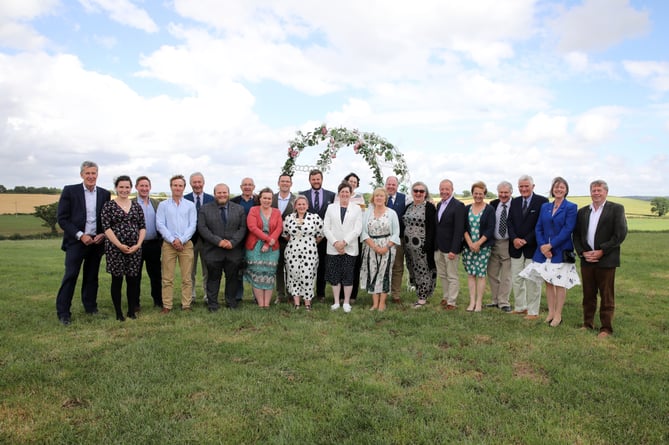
(19, 203)
(21, 224)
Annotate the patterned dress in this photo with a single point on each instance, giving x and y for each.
(421, 274)
(126, 227)
(476, 263)
(377, 269)
(261, 266)
(301, 253)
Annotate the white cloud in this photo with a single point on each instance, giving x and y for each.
(542, 127)
(656, 72)
(598, 124)
(124, 12)
(599, 24)
(14, 32)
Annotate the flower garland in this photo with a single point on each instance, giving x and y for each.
(372, 147)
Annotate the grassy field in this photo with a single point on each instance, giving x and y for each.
(290, 377)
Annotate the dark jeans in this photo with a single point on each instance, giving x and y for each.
(215, 271)
(598, 279)
(132, 291)
(76, 255)
(151, 260)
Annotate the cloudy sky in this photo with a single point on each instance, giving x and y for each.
(467, 90)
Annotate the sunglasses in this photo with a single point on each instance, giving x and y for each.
(418, 191)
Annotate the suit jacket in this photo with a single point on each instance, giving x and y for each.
(609, 235)
(400, 206)
(206, 198)
(328, 198)
(254, 225)
(289, 208)
(555, 229)
(213, 231)
(349, 230)
(72, 212)
(486, 225)
(450, 229)
(523, 227)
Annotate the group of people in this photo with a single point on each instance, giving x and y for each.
(297, 243)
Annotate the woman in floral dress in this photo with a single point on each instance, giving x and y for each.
(479, 238)
(419, 228)
(380, 234)
(303, 231)
(124, 226)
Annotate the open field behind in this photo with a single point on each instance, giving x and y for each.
(283, 376)
(12, 204)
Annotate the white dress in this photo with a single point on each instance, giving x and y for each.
(301, 254)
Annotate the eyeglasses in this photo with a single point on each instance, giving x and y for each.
(418, 191)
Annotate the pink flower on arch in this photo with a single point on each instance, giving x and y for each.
(356, 147)
(324, 130)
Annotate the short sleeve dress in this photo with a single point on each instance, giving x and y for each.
(126, 227)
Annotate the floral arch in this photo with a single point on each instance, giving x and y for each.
(373, 148)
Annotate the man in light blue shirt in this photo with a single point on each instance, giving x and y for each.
(176, 220)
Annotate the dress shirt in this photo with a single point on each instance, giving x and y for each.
(442, 207)
(595, 214)
(149, 219)
(282, 202)
(91, 217)
(176, 220)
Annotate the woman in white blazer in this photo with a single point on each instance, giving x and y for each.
(342, 226)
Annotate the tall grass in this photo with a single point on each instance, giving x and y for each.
(285, 377)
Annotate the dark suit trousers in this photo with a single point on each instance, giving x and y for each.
(602, 280)
(320, 273)
(151, 260)
(280, 279)
(75, 255)
(215, 271)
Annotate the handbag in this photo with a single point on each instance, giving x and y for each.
(568, 256)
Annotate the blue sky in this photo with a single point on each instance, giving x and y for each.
(479, 90)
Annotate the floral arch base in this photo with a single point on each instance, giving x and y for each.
(374, 149)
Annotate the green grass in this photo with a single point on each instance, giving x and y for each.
(21, 224)
(280, 376)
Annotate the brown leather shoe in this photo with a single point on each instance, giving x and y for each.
(519, 312)
(165, 311)
(186, 309)
(450, 307)
(444, 303)
(530, 317)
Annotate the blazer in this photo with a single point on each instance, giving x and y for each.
(72, 212)
(213, 231)
(289, 208)
(206, 198)
(487, 225)
(610, 233)
(328, 198)
(400, 206)
(450, 228)
(349, 230)
(254, 225)
(523, 227)
(555, 229)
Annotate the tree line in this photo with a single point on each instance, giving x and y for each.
(30, 190)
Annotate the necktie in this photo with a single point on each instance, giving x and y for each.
(391, 202)
(224, 216)
(317, 200)
(502, 222)
(197, 203)
(524, 207)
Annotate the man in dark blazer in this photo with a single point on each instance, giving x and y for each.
(397, 202)
(222, 226)
(152, 242)
(200, 198)
(282, 200)
(499, 264)
(319, 199)
(450, 229)
(83, 240)
(523, 217)
(600, 230)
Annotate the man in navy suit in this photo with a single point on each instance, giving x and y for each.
(499, 264)
(200, 198)
(449, 235)
(397, 202)
(83, 240)
(600, 230)
(319, 199)
(523, 217)
(222, 227)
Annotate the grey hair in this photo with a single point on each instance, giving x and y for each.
(88, 164)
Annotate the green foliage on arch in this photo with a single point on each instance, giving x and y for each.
(373, 148)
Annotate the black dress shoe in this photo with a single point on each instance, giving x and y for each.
(491, 305)
(120, 318)
(65, 321)
(133, 316)
(506, 308)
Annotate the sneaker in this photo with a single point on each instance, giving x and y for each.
(347, 308)
(335, 306)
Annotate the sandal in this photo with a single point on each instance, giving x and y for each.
(307, 307)
(418, 304)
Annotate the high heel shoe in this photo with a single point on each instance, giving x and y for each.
(555, 325)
